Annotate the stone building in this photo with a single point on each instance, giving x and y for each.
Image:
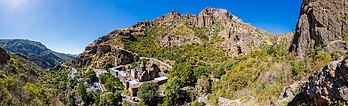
(133, 79)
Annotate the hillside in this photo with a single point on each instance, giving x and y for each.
(22, 82)
(36, 51)
(213, 46)
(214, 58)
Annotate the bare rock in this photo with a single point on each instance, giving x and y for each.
(176, 40)
(289, 92)
(320, 22)
(123, 57)
(329, 84)
(338, 45)
(170, 15)
(207, 16)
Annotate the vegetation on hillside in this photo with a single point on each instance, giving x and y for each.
(36, 52)
(24, 83)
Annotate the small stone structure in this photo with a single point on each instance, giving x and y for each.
(133, 79)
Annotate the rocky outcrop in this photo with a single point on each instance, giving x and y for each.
(102, 49)
(176, 40)
(4, 57)
(321, 22)
(210, 26)
(326, 86)
(208, 16)
(329, 84)
(107, 49)
(288, 93)
(239, 37)
(170, 15)
(335, 46)
(123, 57)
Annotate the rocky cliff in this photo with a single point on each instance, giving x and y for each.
(238, 37)
(210, 26)
(321, 24)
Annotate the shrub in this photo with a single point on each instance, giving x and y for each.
(321, 59)
(345, 36)
(147, 92)
(297, 67)
(91, 76)
(107, 66)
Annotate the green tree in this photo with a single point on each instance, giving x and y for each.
(218, 72)
(147, 92)
(72, 82)
(107, 66)
(89, 97)
(91, 76)
(104, 77)
(118, 97)
(185, 72)
(70, 99)
(81, 90)
(297, 67)
(110, 85)
(108, 99)
(172, 89)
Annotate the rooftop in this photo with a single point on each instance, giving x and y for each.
(161, 78)
(122, 73)
(133, 82)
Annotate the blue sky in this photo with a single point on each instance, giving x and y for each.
(68, 26)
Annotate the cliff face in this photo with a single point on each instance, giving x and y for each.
(211, 25)
(238, 37)
(321, 23)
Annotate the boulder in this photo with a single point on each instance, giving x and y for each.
(329, 84)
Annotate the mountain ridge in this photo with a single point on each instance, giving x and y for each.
(36, 51)
(217, 54)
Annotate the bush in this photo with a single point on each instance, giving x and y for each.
(109, 99)
(147, 93)
(321, 59)
(107, 66)
(172, 89)
(297, 67)
(345, 36)
(81, 90)
(218, 72)
(91, 77)
(104, 77)
(185, 72)
(203, 85)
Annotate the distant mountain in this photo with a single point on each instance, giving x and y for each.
(35, 51)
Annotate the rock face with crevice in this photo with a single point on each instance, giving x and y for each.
(329, 84)
(321, 22)
(238, 37)
(175, 40)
